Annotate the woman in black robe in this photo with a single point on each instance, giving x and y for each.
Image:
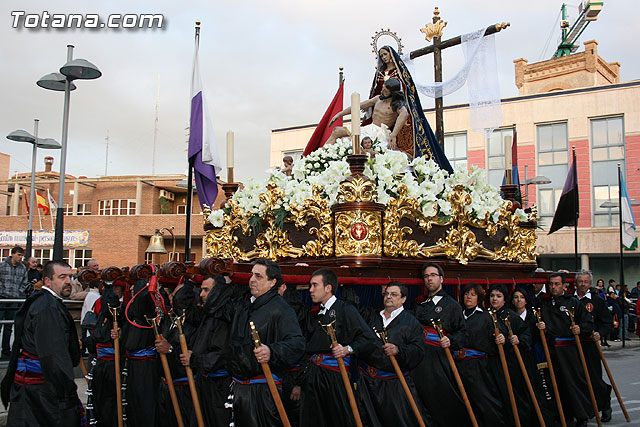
(498, 297)
(473, 360)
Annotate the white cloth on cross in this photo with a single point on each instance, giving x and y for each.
(480, 73)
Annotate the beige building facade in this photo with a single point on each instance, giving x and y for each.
(574, 101)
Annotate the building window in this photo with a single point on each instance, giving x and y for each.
(43, 255)
(495, 155)
(81, 257)
(148, 258)
(181, 209)
(5, 253)
(607, 150)
(179, 256)
(84, 209)
(455, 148)
(553, 157)
(117, 207)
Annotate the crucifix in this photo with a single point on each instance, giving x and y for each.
(434, 31)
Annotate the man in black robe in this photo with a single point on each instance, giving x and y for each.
(282, 346)
(434, 379)
(380, 389)
(291, 378)
(324, 397)
(40, 382)
(207, 354)
(602, 326)
(570, 376)
(103, 377)
(142, 380)
(181, 299)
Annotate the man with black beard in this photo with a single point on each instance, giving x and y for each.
(207, 355)
(40, 382)
(380, 389)
(603, 325)
(324, 397)
(282, 346)
(572, 383)
(434, 379)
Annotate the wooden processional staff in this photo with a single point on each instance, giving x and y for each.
(547, 355)
(266, 370)
(167, 372)
(527, 381)
(116, 363)
(383, 336)
(192, 384)
(570, 313)
(331, 331)
(505, 369)
(456, 374)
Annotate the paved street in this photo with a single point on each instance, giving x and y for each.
(625, 367)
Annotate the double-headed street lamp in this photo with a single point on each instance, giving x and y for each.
(63, 81)
(47, 143)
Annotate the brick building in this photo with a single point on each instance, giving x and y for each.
(572, 101)
(118, 214)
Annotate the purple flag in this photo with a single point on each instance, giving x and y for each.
(203, 150)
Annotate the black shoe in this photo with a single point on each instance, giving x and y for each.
(606, 415)
(582, 422)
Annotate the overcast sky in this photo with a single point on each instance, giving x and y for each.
(265, 65)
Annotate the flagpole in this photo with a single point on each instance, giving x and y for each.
(577, 201)
(622, 286)
(32, 191)
(187, 233)
(39, 219)
(50, 207)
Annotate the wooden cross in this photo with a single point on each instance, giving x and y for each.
(434, 31)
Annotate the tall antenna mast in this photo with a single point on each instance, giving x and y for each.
(106, 160)
(155, 131)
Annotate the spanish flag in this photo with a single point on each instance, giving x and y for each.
(42, 203)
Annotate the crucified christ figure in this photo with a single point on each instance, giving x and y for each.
(389, 115)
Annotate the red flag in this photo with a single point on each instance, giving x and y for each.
(323, 130)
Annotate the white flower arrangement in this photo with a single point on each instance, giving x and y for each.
(327, 167)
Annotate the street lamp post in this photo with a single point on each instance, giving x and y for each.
(538, 180)
(63, 81)
(24, 136)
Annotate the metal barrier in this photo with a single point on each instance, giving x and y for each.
(69, 303)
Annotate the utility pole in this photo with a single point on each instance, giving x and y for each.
(155, 130)
(106, 159)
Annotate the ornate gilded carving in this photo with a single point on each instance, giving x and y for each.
(520, 243)
(395, 243)
(357, 189)
(362, 230)
(347, 221)
(315, 208)
(434, 29)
